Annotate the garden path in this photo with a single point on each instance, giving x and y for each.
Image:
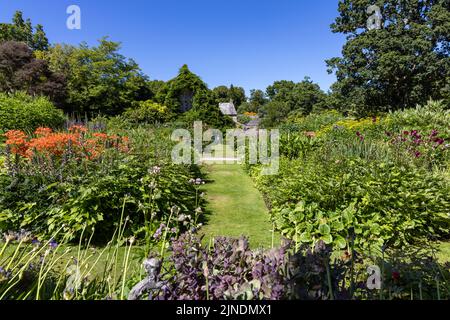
(236, 207)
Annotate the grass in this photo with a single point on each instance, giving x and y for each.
(236, 207)
(89, 261)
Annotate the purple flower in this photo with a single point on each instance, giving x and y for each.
(439, 141)
(158, 232)
(53, 244)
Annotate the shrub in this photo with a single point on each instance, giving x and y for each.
(148, 112)
(22, 112)
(433, 116)
(244, 119)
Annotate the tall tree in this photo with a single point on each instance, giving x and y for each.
(403, 61)
(301, 98)
(225, 94)
(21, 71)
(23, 31)
(257, 100)
(100, 80)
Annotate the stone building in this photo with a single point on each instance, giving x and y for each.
(228, 109)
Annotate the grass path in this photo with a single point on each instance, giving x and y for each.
(236, 207)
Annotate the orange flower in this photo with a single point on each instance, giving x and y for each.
(54, 143)
(49, 143)
(16, 140)
(78, 129)
(101, 136)
(43, 132)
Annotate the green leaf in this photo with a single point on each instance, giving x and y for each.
(324, 229)
(328, 239)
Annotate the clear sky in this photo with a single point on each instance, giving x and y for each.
(248, 43)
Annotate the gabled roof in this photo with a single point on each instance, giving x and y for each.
(228, 109)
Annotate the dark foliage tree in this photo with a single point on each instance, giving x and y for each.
(21, 71)
(403, 62)
(205, 109)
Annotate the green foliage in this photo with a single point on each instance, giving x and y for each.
(206, 110)
(21, 112)
(82, 194)
(312, 122)
(178, 93)
(376, 178)
(404, 63)
(244, 119)
(234, 94)
(289, 98)
(383, 203)
(435, 115)
(99, 79)
(23, 31)
(148, 112)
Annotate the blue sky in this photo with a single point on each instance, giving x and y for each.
(249, 43)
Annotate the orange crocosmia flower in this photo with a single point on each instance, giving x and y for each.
(17, 141)
(52, 144)
(78, 129)
(43, 132)
(101, 136)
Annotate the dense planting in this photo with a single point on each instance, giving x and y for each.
(375, 176)
(81, 180)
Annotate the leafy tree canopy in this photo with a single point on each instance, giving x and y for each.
(23, 31)
(403, 63)
(100, 80)
(234, 94)
(288, 97)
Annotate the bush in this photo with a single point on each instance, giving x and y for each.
(433, 116)
(148, 112)
(22, 112)
(244, 119)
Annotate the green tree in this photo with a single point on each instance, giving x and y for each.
(100, 80)
(225, 94)
(22, 31)
(205, 109)
(257, 100)
(402, 63)
(288, 97)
